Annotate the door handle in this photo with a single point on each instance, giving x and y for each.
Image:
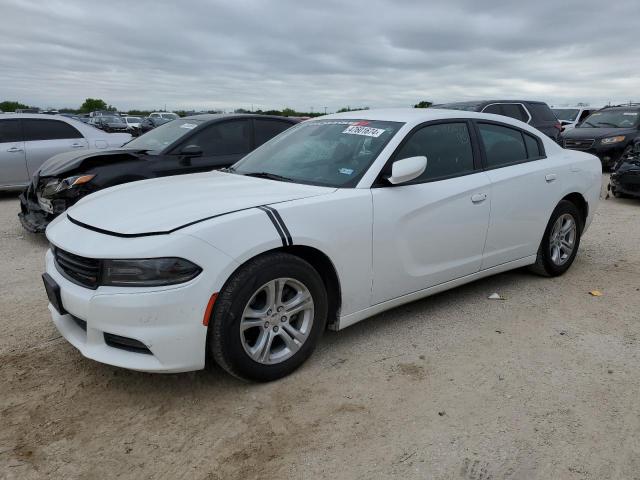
(550, 177)
(14, 149)
(479, 197)
(77, 145)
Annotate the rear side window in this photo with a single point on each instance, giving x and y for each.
(10, 131)
(533, 147)
(226, 138)
(35, 129)
(542, 112)
(503, 146)
(265, 130)
(447, 147)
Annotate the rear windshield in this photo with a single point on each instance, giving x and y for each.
(567, 114)
(621, 118)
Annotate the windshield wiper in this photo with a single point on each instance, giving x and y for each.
(270, 176)
(589, 123)
(609, 124)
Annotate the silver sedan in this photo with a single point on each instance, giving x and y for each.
(28, 140)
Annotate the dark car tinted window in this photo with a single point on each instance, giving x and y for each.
(48, 130)
(447, 147)
(10, 131)
(226, 138)
(503, 146)
(541, 112)
(265, 130)
(495, 109)
(515, 110)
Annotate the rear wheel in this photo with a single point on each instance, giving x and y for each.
(268, 318)
(561, 240)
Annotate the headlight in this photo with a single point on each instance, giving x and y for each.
(610, 140)
(148, 272)
(74, 181)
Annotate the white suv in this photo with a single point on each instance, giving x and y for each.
(571, 116)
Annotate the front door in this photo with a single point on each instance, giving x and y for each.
(432, 230)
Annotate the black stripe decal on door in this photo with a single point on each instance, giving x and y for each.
(279, 225)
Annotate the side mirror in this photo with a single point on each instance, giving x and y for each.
(191, 151)
(407, 169)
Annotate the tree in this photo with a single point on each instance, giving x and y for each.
(10, 106)
(423, 104)
(93, 104)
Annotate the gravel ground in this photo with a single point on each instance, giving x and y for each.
(543, 384)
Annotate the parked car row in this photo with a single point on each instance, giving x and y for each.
(185, 145)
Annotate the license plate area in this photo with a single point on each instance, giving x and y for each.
(53, 293)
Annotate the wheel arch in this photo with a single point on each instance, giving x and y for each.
(581, 203)
(321, 262)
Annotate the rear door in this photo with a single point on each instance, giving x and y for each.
(525, 184)
(13, 165)
(433, 229)
(45, 138)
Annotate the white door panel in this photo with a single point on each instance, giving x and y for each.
(429, 233)
(13, 167)
(522, 198)
(39, 151)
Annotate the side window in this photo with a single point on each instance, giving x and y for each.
(447, 147)
(225, 138)
(533, 147)
(265, 130)
(35, 129)
(10, 131)
(503, 146)
(515, 110)
(495, 109)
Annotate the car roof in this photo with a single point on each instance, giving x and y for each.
(407, 115)
(218, 116)
(489, 102)
(621, 107)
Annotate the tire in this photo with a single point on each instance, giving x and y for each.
(554, 260)
(244, 303)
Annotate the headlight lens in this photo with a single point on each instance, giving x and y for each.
(148, 272)
(74, 181)
(610, 140)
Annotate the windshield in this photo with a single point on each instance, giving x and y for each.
(164, 135)
(333, 153)
(133, 119)
(566, 114)
(169, 116)
(612, 118)
(113, 119)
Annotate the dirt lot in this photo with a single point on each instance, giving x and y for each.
(544, 384)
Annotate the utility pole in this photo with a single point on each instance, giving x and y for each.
(325, 110)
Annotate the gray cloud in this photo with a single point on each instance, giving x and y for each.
(217, 54)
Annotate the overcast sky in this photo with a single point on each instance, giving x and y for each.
(303, 54)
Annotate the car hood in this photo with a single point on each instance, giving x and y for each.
(67, 161)
(162, 205)
(597, 133)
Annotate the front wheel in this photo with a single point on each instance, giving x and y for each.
(560, 242)
(268, 318)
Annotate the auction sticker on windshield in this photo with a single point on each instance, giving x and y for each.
(188, 125)
(366, 131)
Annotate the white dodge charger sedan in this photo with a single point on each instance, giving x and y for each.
(331, 222)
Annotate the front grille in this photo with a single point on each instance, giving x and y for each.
(576, 144)
(80, 270)
(125, 343)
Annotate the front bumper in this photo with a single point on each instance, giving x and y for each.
(168, 322)
(627, 184)
(608, 154)
(31, 216)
